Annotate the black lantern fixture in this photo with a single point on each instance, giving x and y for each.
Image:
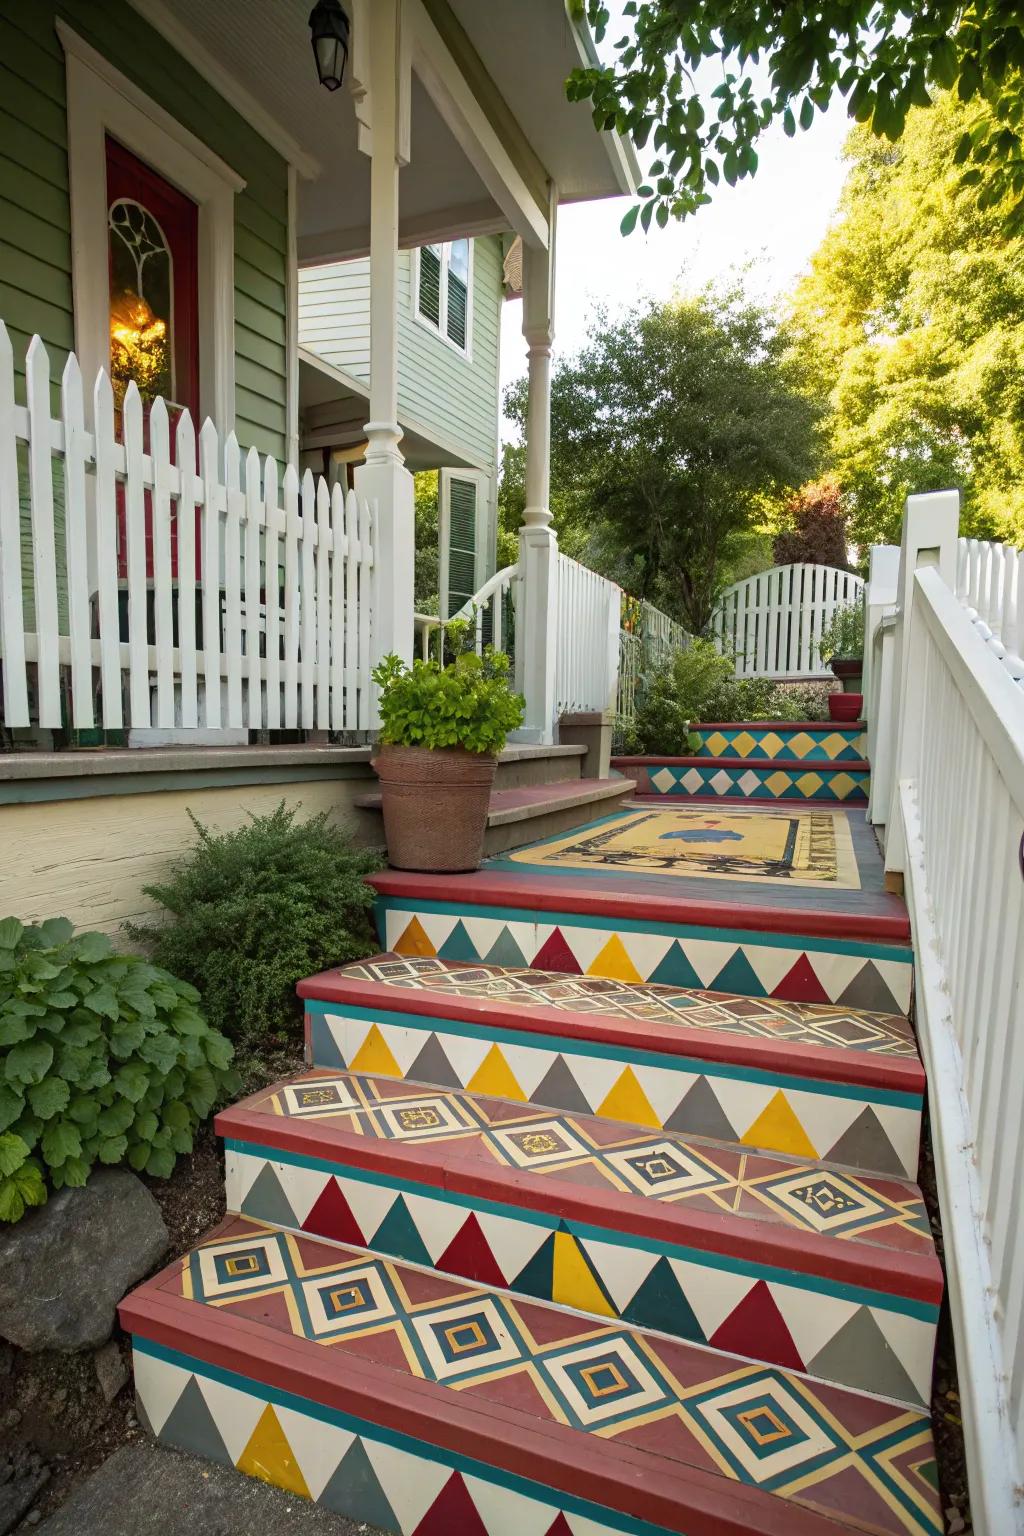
(328, 26)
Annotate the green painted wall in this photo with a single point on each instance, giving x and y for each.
(35, 239)
(438, 388)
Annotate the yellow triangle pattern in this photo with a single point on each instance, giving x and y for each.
(269, 1456)
(414, 941)
(614, 962)
(494, 1076)
(374, 1055)
(777, 1129)
(573, 1283)
(626, 1100)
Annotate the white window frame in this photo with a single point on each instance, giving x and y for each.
(441, 329)
(100, 102)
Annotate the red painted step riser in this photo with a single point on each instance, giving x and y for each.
(564, 895)
(911, 1276)
(822, 1063)
(629, 1481)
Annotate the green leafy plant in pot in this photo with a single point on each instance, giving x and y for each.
(842, 646)
(442, 728)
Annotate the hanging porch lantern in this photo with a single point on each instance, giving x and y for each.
(328, 27)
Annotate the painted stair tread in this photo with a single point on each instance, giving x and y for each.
(528, 800)
(477, 1412)
(806, 1267)
(818, 1040)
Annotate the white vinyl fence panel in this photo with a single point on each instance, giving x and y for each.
(266, 622)
(772, 622)
(587, 638)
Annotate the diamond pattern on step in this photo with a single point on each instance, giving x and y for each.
(759, 742)
(671, 1403)
(758, 781)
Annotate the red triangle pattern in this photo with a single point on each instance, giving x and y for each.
(801, 985)
(555, 955)
(332, 1217)
(468, 1254)
(452, 1511)
(756, 1329)
(561, 1527)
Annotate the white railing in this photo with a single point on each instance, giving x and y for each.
(772, 622)
(487, 610)
(587, 639)
(990, 584)
(171, 572)
(662, 637)
(947, 723)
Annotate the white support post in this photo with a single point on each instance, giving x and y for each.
(383, 479)
(879, 600)
(930, 527)
(536, 628)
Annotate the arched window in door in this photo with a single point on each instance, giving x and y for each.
(141, 302)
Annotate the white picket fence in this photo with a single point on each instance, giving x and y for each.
(267, 623)
(946, 717)
(587, 639)
(772, 622)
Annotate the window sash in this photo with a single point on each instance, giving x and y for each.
(443, 293)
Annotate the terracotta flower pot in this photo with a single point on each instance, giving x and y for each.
(845, 706)
(849, 670)
(435, 806)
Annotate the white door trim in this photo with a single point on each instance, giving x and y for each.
(102, 101)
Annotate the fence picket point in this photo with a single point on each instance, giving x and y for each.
(185, 522)
(163, 621)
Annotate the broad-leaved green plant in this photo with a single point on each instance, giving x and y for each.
(468, 703)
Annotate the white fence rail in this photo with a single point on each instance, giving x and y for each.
(947, 723)
(587, 638)
(180, 592)
(772, 622)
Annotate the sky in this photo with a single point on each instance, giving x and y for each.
(774, 220)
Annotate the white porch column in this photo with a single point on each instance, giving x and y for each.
(536, 634)
(383, 479)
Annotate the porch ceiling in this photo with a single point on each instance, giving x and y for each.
(527, 50)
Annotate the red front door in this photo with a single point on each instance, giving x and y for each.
(153, 247)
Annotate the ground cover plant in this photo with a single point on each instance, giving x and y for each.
(247, 913)
(104, 1058)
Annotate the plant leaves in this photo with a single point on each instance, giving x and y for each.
(29, 1062)
(13, 1153)
(49, 1097)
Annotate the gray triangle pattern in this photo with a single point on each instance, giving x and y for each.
(700, 1113)
(864, 1144)
(191, 1427)
(558, 1089)
(355, 1491)
(323, 1045)
(867, 990)
(432, 1066)
(267, 1201)
(859, 1355)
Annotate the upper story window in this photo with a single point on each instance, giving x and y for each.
(442, 291)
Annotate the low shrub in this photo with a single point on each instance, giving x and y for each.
(248, 913)
(103, 1058)
(468, 703)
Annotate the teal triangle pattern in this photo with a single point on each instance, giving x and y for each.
(398, 1235)
(505, 951)
(538, 1277)
(458, 945)
(660, 1303)
(674, 970)
(191, 1427)
(355, 1491)
(738, 975)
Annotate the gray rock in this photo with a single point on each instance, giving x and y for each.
(19, 1484)
(111, 1370)
(65, 1266)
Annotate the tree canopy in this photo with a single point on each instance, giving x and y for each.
(786, 61)
(911, 325)
(674, 431)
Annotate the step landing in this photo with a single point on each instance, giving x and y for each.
(792, 1264)
(428, 1407)
(821, 1082)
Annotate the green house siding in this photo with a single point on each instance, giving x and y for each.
(35, 214)
(439, 390)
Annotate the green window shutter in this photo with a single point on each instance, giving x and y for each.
(428, 299)
(457, 317)
(462, 538)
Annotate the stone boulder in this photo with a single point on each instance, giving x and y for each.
(65, 1266)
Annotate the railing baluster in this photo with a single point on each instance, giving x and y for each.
(185, 456)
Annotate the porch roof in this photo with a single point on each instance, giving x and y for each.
(513, 58)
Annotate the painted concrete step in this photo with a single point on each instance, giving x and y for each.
(789, 1263)
(522, 815)
(428, 1407)
(809, 741)
(831, 1083)
(774, 780)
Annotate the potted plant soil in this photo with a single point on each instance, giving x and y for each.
(842, 646)
(442, 728)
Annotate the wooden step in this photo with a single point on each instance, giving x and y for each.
(774, 780)
(424, 1407)
(835, 1083)
(787, 1262)
(535, 811)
